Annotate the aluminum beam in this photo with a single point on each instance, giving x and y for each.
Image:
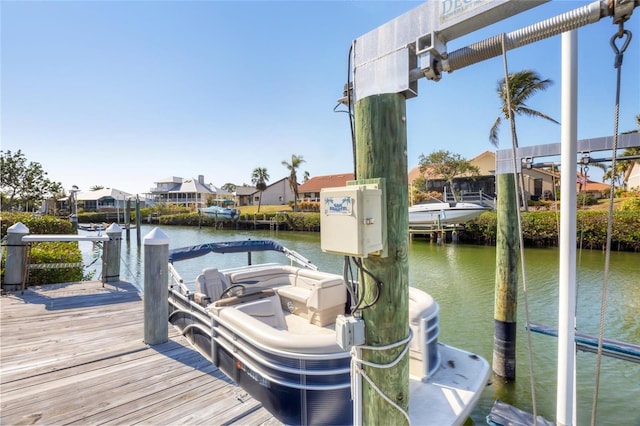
(383, 57)
(504, 157)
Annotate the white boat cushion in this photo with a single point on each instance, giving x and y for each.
(308, 343)
(267, 310)
(272, 276)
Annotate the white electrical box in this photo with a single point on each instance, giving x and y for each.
(349, 331)
(351, 220)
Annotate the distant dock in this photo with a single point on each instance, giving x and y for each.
(436, 232)
(74, 353)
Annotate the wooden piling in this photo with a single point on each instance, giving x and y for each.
(15, 260)
(138, 221)
(381, 152)
(156, 289)
(113, 248)
(127, 219)
(506, 282)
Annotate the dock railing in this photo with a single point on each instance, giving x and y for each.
(479, 197)
(30, 239)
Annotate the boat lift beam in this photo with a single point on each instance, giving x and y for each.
(391, 58)
(587, 343)
(504, 157)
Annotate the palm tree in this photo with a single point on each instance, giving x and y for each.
(296, 161)
(621, 167)
(260, 177)
(229, 187)
(522, 85)
(96, 188)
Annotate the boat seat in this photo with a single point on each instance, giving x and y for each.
(266, 309)
(272, 276)
(262, 304)
(211, 283)
(280, 340)
(317, 296)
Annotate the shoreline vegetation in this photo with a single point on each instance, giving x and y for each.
(540, 229)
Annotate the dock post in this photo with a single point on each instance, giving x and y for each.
(111, 254)
(127, 219)
(14, 263)
(381, 152)
(156, 289)
(138, 221)
(506, 282)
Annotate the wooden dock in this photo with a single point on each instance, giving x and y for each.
(74, 354)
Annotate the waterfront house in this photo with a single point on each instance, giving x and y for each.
(485, 180)
(277, 193)
(310, 190)
(243, 195)
(186, 192)
(586, 185)
(105, 199)
(539, 183)
(632, 177)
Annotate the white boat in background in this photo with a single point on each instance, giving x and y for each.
(218, 212)
(271, 328)
(439, 212)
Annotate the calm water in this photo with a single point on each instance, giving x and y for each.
(461, 279)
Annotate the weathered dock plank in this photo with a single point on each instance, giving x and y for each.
(74, 354)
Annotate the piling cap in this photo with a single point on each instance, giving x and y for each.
(18, 228)
(114, 228)
(156, 238)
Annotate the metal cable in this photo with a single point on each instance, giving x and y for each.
(620, 34)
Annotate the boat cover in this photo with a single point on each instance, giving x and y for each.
(184, 253)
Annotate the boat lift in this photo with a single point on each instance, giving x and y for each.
(391, 58)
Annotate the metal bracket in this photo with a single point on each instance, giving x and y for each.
(431, 50)
(622, 10)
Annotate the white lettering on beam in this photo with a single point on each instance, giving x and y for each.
(452, 9)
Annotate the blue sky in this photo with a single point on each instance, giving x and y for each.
(123, 93)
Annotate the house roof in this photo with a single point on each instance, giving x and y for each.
(170, 179)
(103, 193)
(315, 184)
(245, 190)
(484, 154)
(191, 186)
(584, 184)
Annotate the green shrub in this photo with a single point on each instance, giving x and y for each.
(305, 221)
(37, 224)
(55, 252)
(541, 229)
(309, 206)
(586, 199)
(483, 229)
(631, 202)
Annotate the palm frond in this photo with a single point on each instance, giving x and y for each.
(533, 113)
(493, 133)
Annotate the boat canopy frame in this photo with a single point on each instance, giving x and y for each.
(242, 246)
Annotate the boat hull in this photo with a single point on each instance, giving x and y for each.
(429, 214)
(223, 213)
(271, 328)
(295, 389)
